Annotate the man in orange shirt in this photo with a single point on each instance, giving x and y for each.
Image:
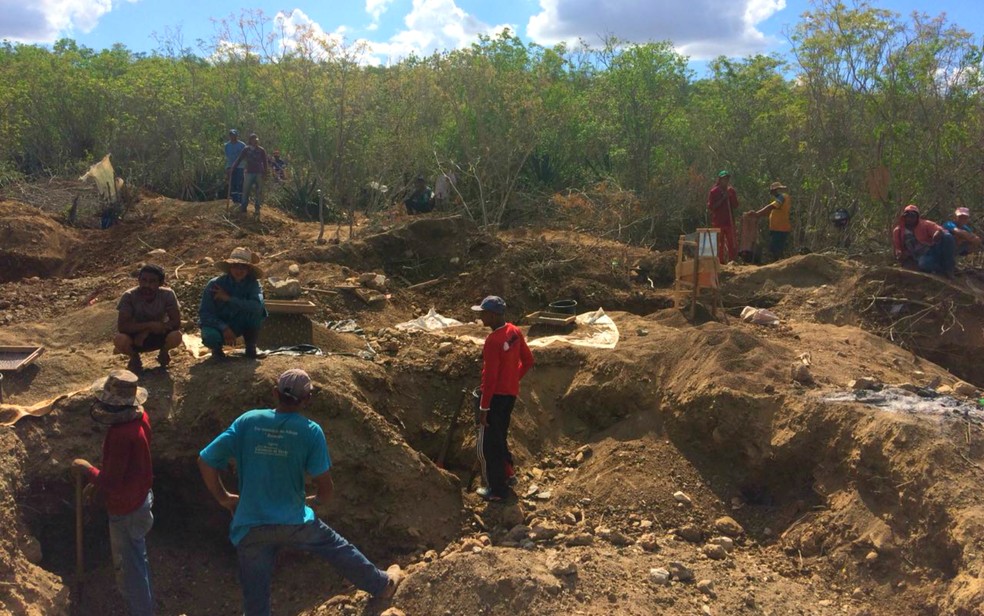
(505, 360)
(779, 225)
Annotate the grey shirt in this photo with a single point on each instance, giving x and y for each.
(135, 305)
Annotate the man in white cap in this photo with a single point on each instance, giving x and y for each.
(506, 359)
(232, 304)
(125, 482)
(274, 449)
(963, 232)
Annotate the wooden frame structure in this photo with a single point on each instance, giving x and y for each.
(697, 268)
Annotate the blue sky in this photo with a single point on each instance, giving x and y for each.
(394, 28)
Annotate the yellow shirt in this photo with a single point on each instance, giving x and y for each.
(779, 214)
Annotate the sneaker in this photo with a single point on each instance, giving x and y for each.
(163, 358)
(134, 365)
(396, 577)
(487, 495)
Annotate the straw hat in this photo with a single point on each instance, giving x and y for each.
(119, 389)
(777, 186)
(242, 256)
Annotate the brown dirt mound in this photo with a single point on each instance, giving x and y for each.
(33, 244)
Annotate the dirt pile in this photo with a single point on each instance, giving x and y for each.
(682, 472)
(33, 244)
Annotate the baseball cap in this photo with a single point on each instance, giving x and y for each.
(492, 303)
(962, 211)
(295, 384)
(233, 131)
(910, 208)
(724, 173)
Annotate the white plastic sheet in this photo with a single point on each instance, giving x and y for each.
(759, 316)
(430, 322)
(105, 178)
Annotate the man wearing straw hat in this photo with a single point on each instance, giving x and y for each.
(232, 304)
(779, 225)
(125, 482)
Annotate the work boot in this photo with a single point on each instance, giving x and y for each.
(135, 365)
(163, 358)
(218, 354)
(249, 337)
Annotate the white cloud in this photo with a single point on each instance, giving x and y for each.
(433, 25)
(298, 32)
(698, 28)
(376, 8)
(43, 21)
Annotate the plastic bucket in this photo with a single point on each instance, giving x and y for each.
(564, 306)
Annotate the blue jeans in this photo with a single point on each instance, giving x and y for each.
(252, 179)
(258, 550)
(236, 185)
(126, 540)
(941, 258)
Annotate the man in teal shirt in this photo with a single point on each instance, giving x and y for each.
(274, 449)
(232, 304)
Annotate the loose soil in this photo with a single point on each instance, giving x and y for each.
(836, 508)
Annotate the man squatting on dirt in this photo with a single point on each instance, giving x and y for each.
(505, 360)
(273, 450)
(125, 483)
(232, 304)
(149, 319)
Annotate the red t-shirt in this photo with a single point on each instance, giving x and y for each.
(505, 360)
(127, 474)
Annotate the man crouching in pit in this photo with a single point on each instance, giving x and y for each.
(149, 319)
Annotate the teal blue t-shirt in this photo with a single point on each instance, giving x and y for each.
(273, 451)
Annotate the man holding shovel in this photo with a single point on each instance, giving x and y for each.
(505, 361)
(124, 483)
(722, 202)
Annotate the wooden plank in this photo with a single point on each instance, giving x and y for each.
(286, 306)
(551, 318)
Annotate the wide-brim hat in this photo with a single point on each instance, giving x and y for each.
(777, 186)
(242, 256)
(119, 389)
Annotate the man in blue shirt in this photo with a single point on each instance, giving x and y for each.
(963, 232)
(232, 304)
(274, 449)
(233, 148)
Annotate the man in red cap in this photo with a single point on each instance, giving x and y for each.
(963, 232)
(505, 360)
(924, 245)
(722, 202)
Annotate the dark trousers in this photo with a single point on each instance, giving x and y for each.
(493, 450)
(236, 185)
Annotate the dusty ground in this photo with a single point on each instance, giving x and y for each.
(835, 508)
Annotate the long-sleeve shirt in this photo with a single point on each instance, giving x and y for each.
(232, 151)
(722, 206)
(127, 474)
(506, 359)
(245, 300)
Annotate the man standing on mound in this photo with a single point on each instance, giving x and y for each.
(722, 202)
(505, 360)
(274, 449)
(149, 319)
(232, 304)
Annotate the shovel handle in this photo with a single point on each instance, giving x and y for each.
(79, 559)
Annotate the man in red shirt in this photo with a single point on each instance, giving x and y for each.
(722, 201)
(125, 483)
(505, 360)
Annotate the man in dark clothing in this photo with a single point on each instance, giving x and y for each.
(232, 304)
(256, 170)
(421, 200)
(505, 360)
(125, 482)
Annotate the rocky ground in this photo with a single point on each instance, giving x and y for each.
(697, 468)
